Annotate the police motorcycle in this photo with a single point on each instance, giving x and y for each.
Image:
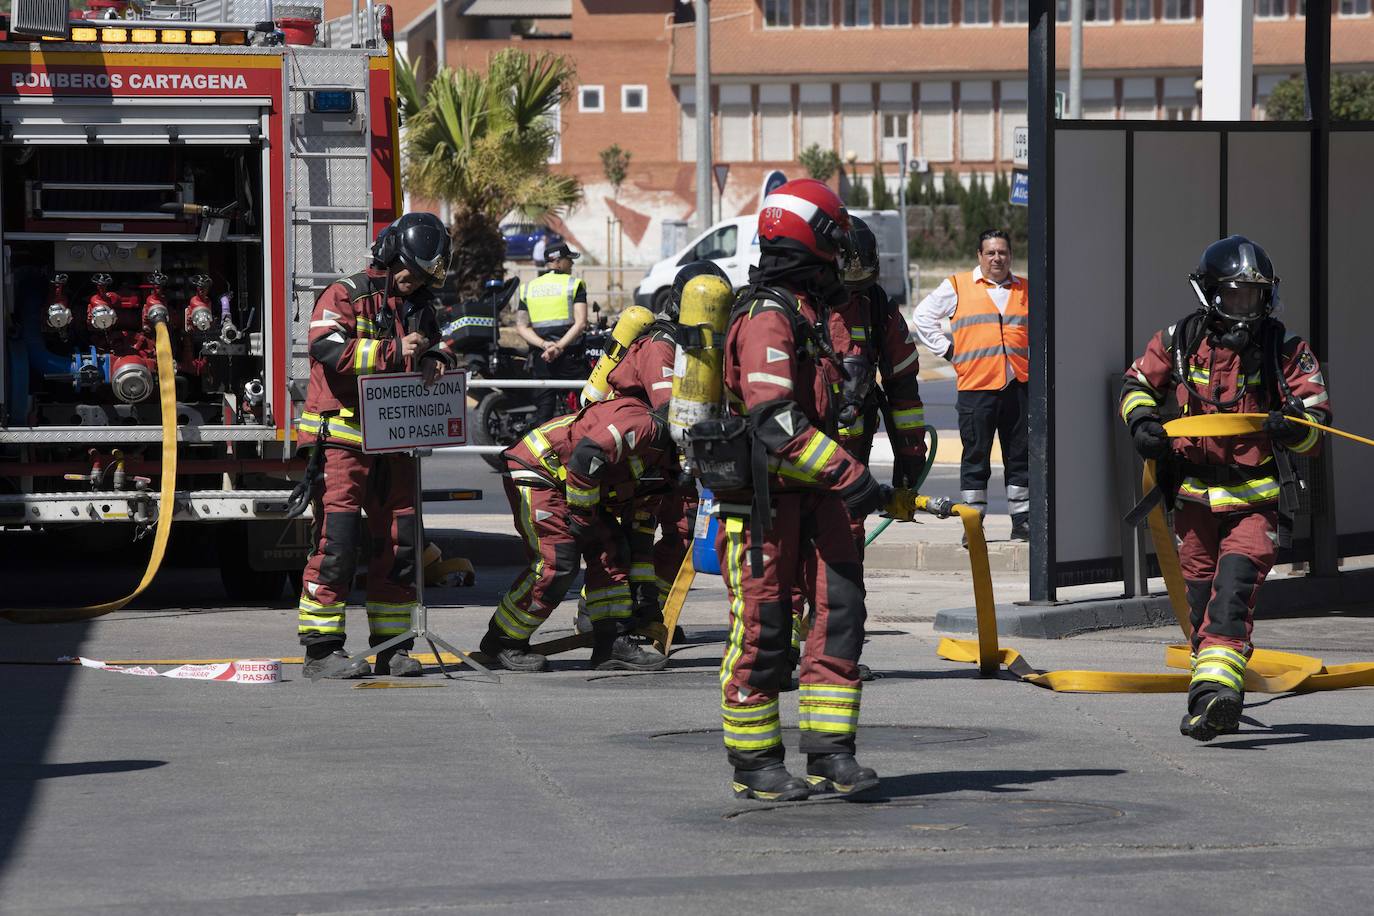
(500, 416)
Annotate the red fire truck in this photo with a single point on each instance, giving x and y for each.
(201, 166)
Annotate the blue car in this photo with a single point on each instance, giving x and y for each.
(521, 239)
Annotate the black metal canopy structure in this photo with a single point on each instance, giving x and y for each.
(1119, 212)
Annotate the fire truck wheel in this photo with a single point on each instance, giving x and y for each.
(493, 426)
(241, 581)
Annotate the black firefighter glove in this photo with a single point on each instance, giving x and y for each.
(1150, 439)
(1283, 430)
(863, 497)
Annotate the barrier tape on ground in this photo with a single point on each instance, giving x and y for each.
(1269, 671)
(166, 383)
(240, 671)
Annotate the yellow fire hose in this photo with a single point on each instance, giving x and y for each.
(1269, 671)
(166, 383)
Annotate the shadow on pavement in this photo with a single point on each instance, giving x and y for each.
(917, 784)
(1293, 733)
(32, 698)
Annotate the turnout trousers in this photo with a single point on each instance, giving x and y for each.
(983, 414)
(384, 487)
(1225, 558)
(551, 564)
(809, 545)
(656, 562)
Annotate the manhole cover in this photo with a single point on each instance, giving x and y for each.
(876, 737)
(909, 817)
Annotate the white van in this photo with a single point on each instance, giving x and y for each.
(734, 245)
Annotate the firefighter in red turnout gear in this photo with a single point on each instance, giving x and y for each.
(781, 372)
(1234, 497)
(378, 321)
(872, 337)
(646, 373)
(569, 483)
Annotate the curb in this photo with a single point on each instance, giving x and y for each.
(1062, 620)
(936, 556)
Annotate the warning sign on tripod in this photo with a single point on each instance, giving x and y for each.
(401, 412)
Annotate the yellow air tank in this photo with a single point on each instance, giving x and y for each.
(697, 382)
(632, 322)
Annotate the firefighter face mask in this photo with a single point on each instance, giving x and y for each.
(1242, 301)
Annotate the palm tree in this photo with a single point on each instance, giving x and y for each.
(481, 142)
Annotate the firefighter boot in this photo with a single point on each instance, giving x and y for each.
(838, 773)
(512, 654)
(647, 611)
(1213, 710)
(771, 783)
(321, 662)
(1020, 526)
(615, 650)
(397, 663)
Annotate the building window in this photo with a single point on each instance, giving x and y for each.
(817, 116)
(856, 120)
(634, 98)
(896, 12)
(896, 129)
(977, 12)
(1354, 7)
(736, 124)
(937, 122)
(1138, 98)
(1093, 10)
(1099, 100)
(1016, 12)
(1013, 110)
(687, 135)
(1143, 10)
(816, 13)
(975, 121)
(590, 98)
(857, 14)
(777, 14)
(934, 12)
(1178, 10)
(1271, 9)
(1180, 98)
(775, 123)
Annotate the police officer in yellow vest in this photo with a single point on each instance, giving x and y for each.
(551, 318)
(987, 308)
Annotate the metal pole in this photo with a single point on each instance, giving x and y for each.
(703, 114)
(1040, 271)
(1076, 59)
(440, 38)
(906, 244)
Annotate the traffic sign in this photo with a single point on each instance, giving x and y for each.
(1020, 188)
(720, 170)
(1020, 145)
(771, 182)
(400, 412)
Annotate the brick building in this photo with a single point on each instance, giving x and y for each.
(946, 76)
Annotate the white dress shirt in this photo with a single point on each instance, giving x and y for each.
(941, 304)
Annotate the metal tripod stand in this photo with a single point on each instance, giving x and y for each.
(419, 617)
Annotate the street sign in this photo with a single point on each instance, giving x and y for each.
(401, 413)
(1020, 145)
(1058, 104)
(1020, 188)
(720, 170)
(901, 155)
(771, 182)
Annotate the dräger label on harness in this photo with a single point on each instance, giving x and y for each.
(401, 412)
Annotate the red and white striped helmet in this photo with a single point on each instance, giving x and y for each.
(804, 213)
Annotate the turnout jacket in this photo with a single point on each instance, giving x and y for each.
(646, 370)
(777, 374)
(1151, 388)
(599, 456)
(870, 327)
(352, 333)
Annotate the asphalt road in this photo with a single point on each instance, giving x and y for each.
(583, 793)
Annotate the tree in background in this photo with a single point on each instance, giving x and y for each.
(615, 165)
(481, 143)
(820, 164)
(883, 199)
(1352, 98)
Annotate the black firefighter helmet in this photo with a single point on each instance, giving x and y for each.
(1235, 281)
